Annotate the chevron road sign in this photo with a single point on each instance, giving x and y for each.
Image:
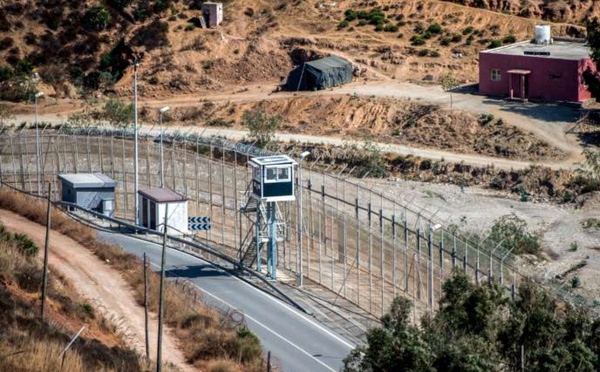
(198, 223)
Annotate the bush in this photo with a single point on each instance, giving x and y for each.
(390, 28)
(117, 112)
(218, 122)
(495, 44)
(435, 28)
(25, 245)
(456, 38)
(469, 39)
(343, 24)
(509, 39)
(350, 15)
(362, 22)
(419, 29)
(189, 27)
(434, 53)
(445, 41)
(6, 73)
(575, 282)
(97, 18)
(262, 126)
(423, 53)
(512, 232)
(467, 30)
(417, 40)
(6, 43)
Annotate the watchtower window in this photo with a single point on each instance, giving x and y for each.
(283, 174)
(271, 174)
(278, 174)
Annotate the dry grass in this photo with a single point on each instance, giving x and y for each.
(205, 334)
(27, 344)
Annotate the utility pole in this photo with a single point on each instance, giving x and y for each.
(135, 141)
(147, 339)
(38, 153)
(162, 161)
(300, 228)
(46, 244)
(161, 303)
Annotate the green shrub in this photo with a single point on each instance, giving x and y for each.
(379, 28)
(427, 35)
(401, 23)
(512, 232)
(435, 54)
(6, 73)
(495, 44)
(419, 29)
(456, 38)
(574, 246)
(423, 53)
(218, 122)
(445, 41)
(350, 15)
(469, 39)
(467, 30)
(575, 282)
(97, 18)
(509, 39)
(435, 28)
(362, 22)
(25, 245)
(189, 27)
(390, 28)
(343, 24)
(417, 40)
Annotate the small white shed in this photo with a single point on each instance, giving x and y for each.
(152, 205)
(212, 13)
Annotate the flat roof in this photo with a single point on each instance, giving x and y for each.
(273, 160)
(559, 49)
(87, 180)
(162, 195)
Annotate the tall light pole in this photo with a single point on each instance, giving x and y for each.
(135, 141)
(300, 222)
(162, 162)
(38, 154)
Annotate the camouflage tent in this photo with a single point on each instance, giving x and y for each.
(320, 74)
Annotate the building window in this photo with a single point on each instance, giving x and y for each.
(495, 74)
(278, 174)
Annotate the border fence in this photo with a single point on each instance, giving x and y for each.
(360, 244)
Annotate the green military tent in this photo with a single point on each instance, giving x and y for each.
(320, 74)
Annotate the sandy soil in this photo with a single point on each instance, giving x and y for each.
(475, 209)
(101, 285)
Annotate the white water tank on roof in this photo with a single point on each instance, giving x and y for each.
(542, 34)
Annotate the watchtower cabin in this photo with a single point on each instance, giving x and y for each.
(272, 182)
(273, 178)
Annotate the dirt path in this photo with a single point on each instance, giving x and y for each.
(101, 285)
(548, 122)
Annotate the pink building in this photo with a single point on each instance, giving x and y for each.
(526, 70)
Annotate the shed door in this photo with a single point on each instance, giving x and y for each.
(152, 215)
(144, 212)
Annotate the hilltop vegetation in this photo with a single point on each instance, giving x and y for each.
(78, 47)
(478, 328)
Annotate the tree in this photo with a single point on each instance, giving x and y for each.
(479, 329)
(262, 126)
(117, 112)
(592, 79)
(97, 18)
(449, 83)
(5, 115)
(511, 232)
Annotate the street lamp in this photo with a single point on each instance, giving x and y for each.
(300, 222)
(37, 143)
(135, 141)
(162, 164)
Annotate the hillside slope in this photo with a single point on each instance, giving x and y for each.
(77, 47)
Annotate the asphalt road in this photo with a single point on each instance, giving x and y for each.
(296, 341)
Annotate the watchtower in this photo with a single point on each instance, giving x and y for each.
(272, 182)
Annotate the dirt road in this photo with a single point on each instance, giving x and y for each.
(101, 285)
(548, 122)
